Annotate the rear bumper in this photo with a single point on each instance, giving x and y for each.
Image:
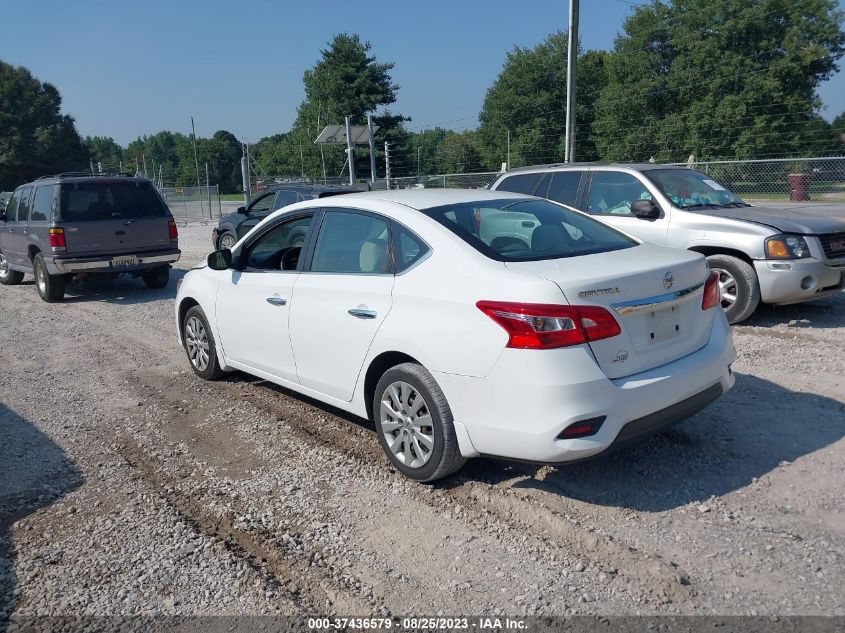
(63, 265)
(520, 408)
(794, 281)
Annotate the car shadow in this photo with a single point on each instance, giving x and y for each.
(34, 473)
(744, 435)
(824, 313)
(123, 290)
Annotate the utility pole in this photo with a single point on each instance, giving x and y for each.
(387, 163)
(91, 165)
(208, 192)
(418, 160)
(245, 175)
(571, 57)
(137, 170)
(372, 148)
(144, 158)
(121, 166)
(301, 160)
(509, 150)
(350, 151)
(196, 161)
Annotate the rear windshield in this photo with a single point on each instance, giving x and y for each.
(528, 230)
(110, 201)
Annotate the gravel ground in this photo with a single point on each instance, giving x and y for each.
(128, 486)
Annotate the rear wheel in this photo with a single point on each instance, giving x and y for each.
(738, 285)
(9, 277)
(199, 345)
(414, 424)
(157, 277)
(51, 288)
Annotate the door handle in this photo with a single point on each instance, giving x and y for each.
(363, 314)
(276, 301)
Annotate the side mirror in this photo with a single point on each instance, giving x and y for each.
(241, 210)
(645, 210)
(220, 260)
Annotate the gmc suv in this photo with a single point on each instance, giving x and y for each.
(761, 254)
(93, 224)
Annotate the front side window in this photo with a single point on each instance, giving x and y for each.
(613, 193)
(284, 198)
(280, 247)
(521, 183)
(352, 243)
(42, 205)
(689, 188)
(115, 200)
(264, 203)
(564, 187)
(528, 230)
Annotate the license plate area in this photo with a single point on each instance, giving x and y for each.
(664, 325)
(123, 261)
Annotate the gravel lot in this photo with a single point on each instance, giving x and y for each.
(128, 486)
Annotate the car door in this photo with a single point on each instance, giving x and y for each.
(259, 209)
(609, 198)
(341, 300)
(253, 303)
(16, 238)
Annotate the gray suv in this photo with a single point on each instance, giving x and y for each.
(761, 254)
(71, 224)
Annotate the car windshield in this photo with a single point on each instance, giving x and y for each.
(83, 201)
(687, 188)
(528, 230)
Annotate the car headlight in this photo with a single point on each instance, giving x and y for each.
(787, 247)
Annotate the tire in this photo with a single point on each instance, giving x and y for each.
(739, 276)
(203, 360)
(51, 288)
(157, 277)
(408, 382)
(227, 239)
(9, 277)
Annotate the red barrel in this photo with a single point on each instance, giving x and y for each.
(798, 187)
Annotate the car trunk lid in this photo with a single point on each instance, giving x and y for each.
(654, 293)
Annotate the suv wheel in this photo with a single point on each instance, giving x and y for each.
(738, 285)
(157, 277)
(226, 240)
(199, 345)
(414, 424)
(9, 277)
(51, 288)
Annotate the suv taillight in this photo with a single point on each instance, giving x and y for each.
(174, 232)
(547, 326)
(57, 238)
(712, 293)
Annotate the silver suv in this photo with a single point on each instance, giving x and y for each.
(761, 254)
(71, 224)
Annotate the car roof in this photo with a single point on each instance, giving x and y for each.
(305, 188)
(84, 177)
(428, 198)
(564, 166)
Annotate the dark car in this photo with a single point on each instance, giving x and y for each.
(234, 226)
(92, 224)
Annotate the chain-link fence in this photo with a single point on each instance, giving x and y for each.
(193, 203)
(480, 180)
(795, 179)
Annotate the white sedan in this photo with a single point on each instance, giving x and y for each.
(464, 323)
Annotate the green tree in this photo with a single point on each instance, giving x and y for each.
(104, 150)
(528, 99)
(734, 79)
(35, 137)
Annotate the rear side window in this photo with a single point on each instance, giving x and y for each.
(408, 248)
(351, 243)
(522, 183)
(24, 205)
(42, 205)
(91, 201)
(12, 207)
(564, 187)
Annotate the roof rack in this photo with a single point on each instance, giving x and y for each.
(87, 174)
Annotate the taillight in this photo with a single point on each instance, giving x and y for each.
(57, 238)
(547, 326)
(174, 232)
(712, 294)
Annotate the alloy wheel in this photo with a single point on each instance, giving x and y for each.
(406, 424)
(196, 340)
(4, 267)
(728, 288)
(227, 241)
(41, 279)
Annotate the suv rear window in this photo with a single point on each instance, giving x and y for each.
(84, 201)
(514, 230)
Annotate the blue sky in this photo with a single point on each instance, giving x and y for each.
(130, 68)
